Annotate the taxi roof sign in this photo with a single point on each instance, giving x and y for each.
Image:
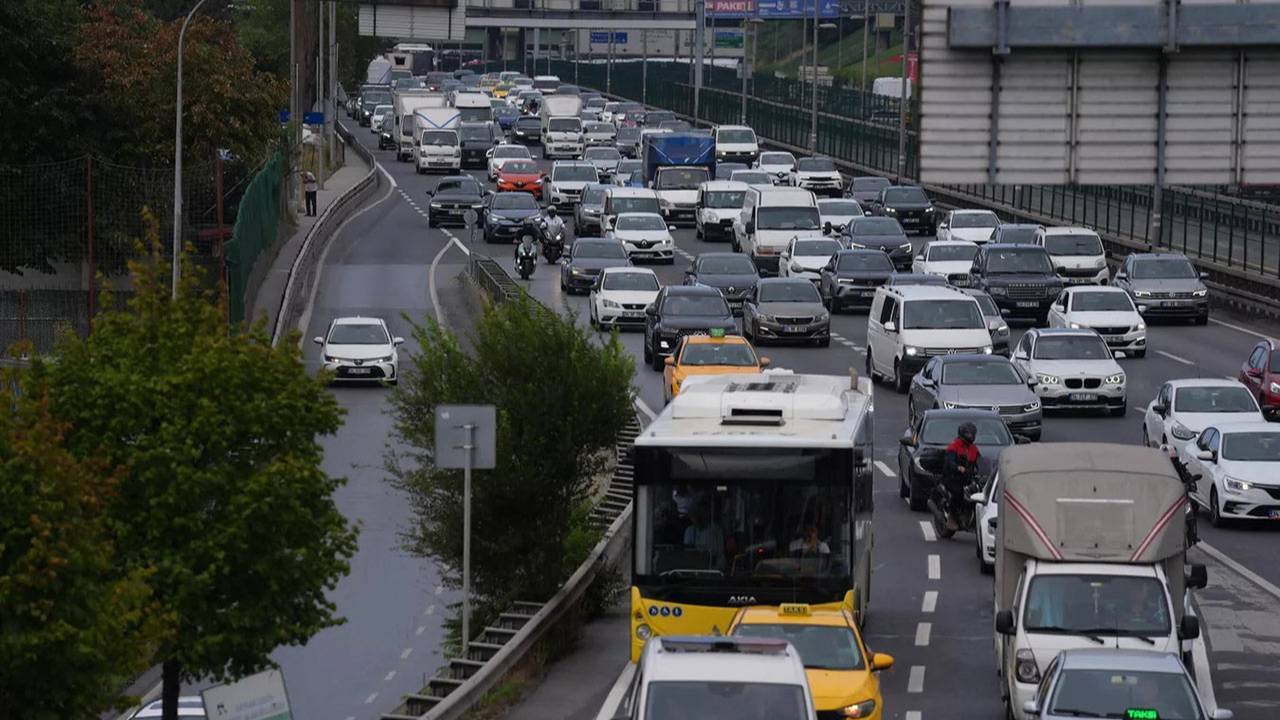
(795, 609)
(717, 332)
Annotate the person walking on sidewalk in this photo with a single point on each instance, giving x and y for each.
(309, 190)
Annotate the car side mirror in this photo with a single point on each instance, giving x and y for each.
(1189, 627)
(1159, 409)
(651, 310)
(920, 258)
(827, 228)
(908, 440)
(1253, 372)
(1204, 276)
(1197, 576)
(671, 228)
(1121, 276)
(927, 382)
(397, 341)
(317, 340)
(765, 362)
(1021, 355)
(1029, 708)
(1033, 381)
(1021, 440)
(431, 193)
(978, 498)
(942, 225)
(1208, 456)
(881, 661)
(1004, 622)
(1221, 714)
(750, 227)
(890, 327)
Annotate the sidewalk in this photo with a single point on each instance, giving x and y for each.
(267, 300)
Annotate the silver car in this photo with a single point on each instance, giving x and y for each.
(1164, 285)
(1111, 683)
(786, 310)
(981, 382)
(1073, 369)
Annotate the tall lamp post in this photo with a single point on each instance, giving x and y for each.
(177, 156)
(813, 119)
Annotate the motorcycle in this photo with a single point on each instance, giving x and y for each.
(526, 259)
(552, 245)
(965, 518)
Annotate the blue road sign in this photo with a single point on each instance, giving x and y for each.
(602, 38)
(284, 116)
(313, 118)
(797, 8)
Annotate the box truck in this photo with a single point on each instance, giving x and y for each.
(675, 165)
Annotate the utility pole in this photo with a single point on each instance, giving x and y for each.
(699, 40)
(813, 91)
(324, 126)
(866, 39)
(331, 112)
(746, 70)
(177, 156)
(608, 66)
(644, 67)
(902, 99)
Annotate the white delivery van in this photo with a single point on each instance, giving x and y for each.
(1077, 254)
(736, 143)
(908, 324)
(561, 126)
(719, 202)
(473, 106)
(770, 218)
(406, 103)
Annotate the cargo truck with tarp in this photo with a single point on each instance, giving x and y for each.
(675, 165)
(1090, 550)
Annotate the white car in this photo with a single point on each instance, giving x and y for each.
(818, 175)
(360, 349)
(620, 296)
(646, 236)
(568, 178)
(986, 515)
(499, 156)
(779, 165)
(1073, 369)
(1109, 310)
(379, 112)
(1182, 408)
(1077, 254)
(805, 257)
(976, 226)
(839, 212)
(951, 259)
(752, 178)
(1238, 465)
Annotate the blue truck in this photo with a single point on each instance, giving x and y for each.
(675, 164)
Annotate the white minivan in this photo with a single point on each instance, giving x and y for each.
(736, 143)
(719, 202)
(908, 324)
(1077, 254)
(771, 217)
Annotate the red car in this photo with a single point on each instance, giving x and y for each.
(1261, 373)
(521, 176)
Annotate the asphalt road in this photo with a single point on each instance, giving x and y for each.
(931, 608)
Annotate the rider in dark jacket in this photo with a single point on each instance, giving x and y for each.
(960, 464)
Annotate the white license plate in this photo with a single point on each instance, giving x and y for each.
(793, 328)
(910, 221)
(632, 314)
(1028, 304)
(867, 293)
(1113, 338)
(359, 371)
(1084, 397)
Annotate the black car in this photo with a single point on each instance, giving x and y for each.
(1015, 233)
(627, 141)
(880, 233)
(527, 129)
(923, 447)
(477, 140)
(681, 310)
(851, 277)
(586, 258)
(866, 188)
(655, 118)
(1019, 278)
(453, 197)
(910, 206)
(908, 278)
(505, 213)
(387, 133)
(732, 274)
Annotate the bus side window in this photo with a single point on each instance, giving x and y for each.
(863, 481)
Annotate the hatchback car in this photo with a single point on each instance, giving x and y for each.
(681, 310)
(1184, 407)
(360, 349)
(521, 176)
(504, 216)
(1073, 368)
(850, 278)
(620, 295)
(982, 382)
(733, 274)
(786, 310)
(1261, 374)
(909, 205)
(586, 259)
(646, 236)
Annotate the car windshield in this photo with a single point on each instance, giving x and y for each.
(787, 218)
(641, 222)
(1221, 399)
(635, 204)
(687, 699)
(864, 261)
(1019, 260)
(677, 305)
(821, 647)
(801, 291)
(574, 173)
(974, 220)
(815, 165)
(905, 195)
(980, 372)
(1018, 233)
(1096, 604)
(952, 253)
(564, 125)
(727, 265)
(839, 207)
(520, 167)
(1164, 269)
(439, 137)
(740, 136)
(750, 177)
(869, 184)
(593, 195)
(1102, 693)
(600, 250)
(723, 199)
(777, 158)
(628, 134)
(1071, 347)
(714, 353)
(637, 281)
(682, 178)
(602, 153)
(476, 134)
(875, 226)
(816, 248)
(1101, 301)
(1080, 244)
(942, 430)
(941, 315)
(382, 110)
(514, 201)
(988, 305)
(358, 334)
(510, 151)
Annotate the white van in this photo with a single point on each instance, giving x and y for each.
(736, 143)
(770, 218)
(908, 324)
(473, 107)
(437, 149)
(1077, 254)
(719, 202)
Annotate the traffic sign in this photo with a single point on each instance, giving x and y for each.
(729, 39)
(470, 217)
(313, 118)
(256, 697)
(466, 437)
(602, 38)
(284, 116)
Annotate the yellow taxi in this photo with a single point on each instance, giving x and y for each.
(502, 90)
(714, 354)
(840, 669)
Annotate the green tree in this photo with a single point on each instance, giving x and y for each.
(561, 396)
(222, 492)
(73, 627)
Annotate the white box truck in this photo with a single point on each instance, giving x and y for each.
(1089, 554)
(436, 145)
(561, 126)
(407, 102)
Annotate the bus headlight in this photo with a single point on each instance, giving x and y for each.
(643, 632)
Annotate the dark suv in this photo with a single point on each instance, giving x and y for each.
(477, 140)
(1019, 278)
(910, 206)
(681, 310)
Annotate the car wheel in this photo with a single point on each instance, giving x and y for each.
(658, 361)
(1203, 320)
(871, 372)
(911, 408)
(648, 354)
(916, 499)
(1146, 441)
(900, 381)
(825, 342)
(431, 220)
(983, 568)
(902, 479)
(1215, 510)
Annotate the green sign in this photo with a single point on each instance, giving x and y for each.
(1141, 714)
(729, 39)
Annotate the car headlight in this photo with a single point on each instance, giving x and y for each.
(905, 246)
(643, 632)
(857, 245)
(1234, 485)
(890, 211)
(912, 350)
(1142, 293)
(1199, 293)
(1117, 379)
(949, 405)
(997, 291)
(330, 358)
(386, 359)
(1275, 388)
(610, 304)
(437, 205)
(1048, 379)
(1026, 670)
(1180, 431)
(1142, 326)
(1002, 330)
(663, 202)
(986, 349)
(859, 710)
(457, 152)
(929, 210)
(575, 271)
(1031, 407)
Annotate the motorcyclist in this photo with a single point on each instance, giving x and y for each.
(552, 224)
(528, 245)
(960, 465)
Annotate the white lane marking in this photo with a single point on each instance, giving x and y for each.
(421, 629)
(439, 589)
(1237, 328)
(611, 701)
(1203, 673)
(644, 408)
(935, 567)
(1248, 574)
(915, 682)
(431, 610)
(930, 602)
(926, 529)
(923, 631)
(913, 715)
(369, 700)
(431, 287)
(389, 676)
(888, 471)
(1175, 358)
(404, 654)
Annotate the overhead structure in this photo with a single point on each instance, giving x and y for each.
(1092, 92)
(439, 20)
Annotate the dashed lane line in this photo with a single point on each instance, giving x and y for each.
(389, 676)
(431, 610)
(643, 407)
(912, 715)
(935, 567)
(404, 654)
(421, 629)
(1175, 358)
(923, 631)
(915, 682)
(930, 602)
(888, 471)
(369, 700)
(1237, 328)
(926, 529)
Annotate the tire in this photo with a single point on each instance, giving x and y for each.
(648, 356)
(431, 221)
(911, 409)
(1146, 441)
(658, 361)
(900, 383)
(1202, 320)
(903, 491)
(1215, 510)
(871, 373)
(916, 500)
(983, 567)
(825, 342)
(420, 171)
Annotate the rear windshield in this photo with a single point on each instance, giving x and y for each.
(1214, 400)
(1073, 244)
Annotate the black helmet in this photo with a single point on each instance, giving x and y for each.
(968, 431)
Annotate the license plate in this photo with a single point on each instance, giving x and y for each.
(359, 371)
(1028, 304)
(793, 328)
(867, 293)
(632, 314)
(1113, 338)
(909, 221)
(1084, 397)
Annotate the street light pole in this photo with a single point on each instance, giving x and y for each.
(813, 91)
(866, 38)
(177, 156)
(902, 97)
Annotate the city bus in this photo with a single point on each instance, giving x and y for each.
(752, 490)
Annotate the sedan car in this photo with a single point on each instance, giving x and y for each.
(952, 259)
(646, 236)
(996, 323)
(1118, 683)
(627, 141)
(817, 175)
(1237, 471)
(527, 130)
(883, 234)
(975, 226)
(605, 159)
(714, 354)
(733, 274)
(505, 214)
(452, 198)
(779, 165)
(851, 277)
(979, 382)
(360, 349)
(1107, 310)
(521, 176)
(1261, 374)
(786, 310)
(681, 310)
(502, 153)
(587, 258)
(805, 257)
(923, 446)
(506, 117)
(1073, 369)
(629, 173)
(910, 206)
(839, 212)
(757, 178)
(1164, 285)
(620, 295)
(587, 213)
(866, 188)
(1182, 408)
